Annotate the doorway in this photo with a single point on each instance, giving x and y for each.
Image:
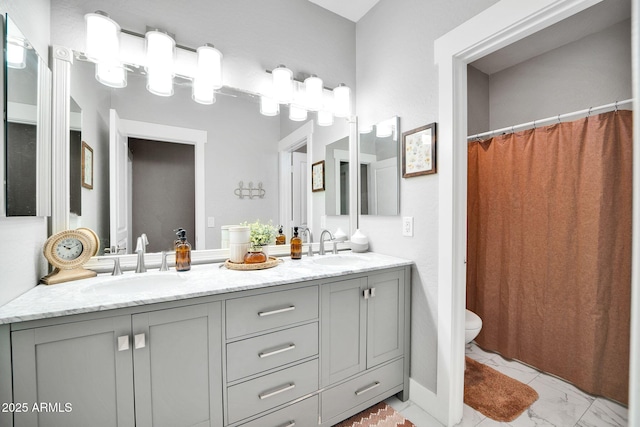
(162, 191)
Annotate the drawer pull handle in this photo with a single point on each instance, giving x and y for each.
(278, 311)
(276, 391)
(289, 424)
(277, 351)
(366, 389)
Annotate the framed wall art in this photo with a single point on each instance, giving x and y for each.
(87, 166)
(419, 151)
(317, 176)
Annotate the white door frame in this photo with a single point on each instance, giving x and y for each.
(179, 135)
(498, 26)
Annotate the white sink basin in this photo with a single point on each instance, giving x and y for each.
(143, 282)
(339, 260)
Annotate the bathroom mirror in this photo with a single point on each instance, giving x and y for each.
(380, 168)
(26, 132)
(238, 145)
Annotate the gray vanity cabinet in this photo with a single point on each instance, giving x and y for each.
(169, 360)
(362, 324)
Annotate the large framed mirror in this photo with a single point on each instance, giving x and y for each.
(184, 161)
(26, 132)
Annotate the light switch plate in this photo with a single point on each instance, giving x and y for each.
(407, 226)
(211, 222)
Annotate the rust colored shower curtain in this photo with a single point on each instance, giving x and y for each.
(549, 248)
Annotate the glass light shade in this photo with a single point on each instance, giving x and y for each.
(111, 75)
(208, 74)
(325, 118)
(268, 106)
(342, 101)
(160, 48)
(363, 129)
(102, 42)
(282, 84)
(384, 130)
(160, 82)
(313, 88)
(16, 54)
(297, 114)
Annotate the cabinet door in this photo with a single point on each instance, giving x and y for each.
(74, 374)
(178, 368)
(343, 329)
(385, 317)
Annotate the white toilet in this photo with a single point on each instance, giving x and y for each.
(472, 326)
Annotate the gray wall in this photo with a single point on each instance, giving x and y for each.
(22, 265)
(589, 72)
(477, 101)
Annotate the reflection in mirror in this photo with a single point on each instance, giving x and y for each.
(238, 144)
(380, 169)
(21, 129)
(75, 164)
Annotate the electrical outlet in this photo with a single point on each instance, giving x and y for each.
(407, 226)
(211, 222)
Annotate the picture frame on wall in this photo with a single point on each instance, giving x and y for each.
(317, 176)
(87, 166)
(419, 151)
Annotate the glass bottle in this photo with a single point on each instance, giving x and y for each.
(281, 239)
(296, 245)
(183, 252)
(255, 256)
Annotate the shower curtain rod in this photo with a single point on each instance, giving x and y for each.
(549, 120)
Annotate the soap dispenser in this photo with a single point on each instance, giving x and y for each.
(280, 238)
(296, 245)
(183, 252)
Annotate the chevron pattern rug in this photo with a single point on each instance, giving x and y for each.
(380, 415)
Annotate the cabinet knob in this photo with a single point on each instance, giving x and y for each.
(373, 292)
(139, 341)
(366, 293)
(123, 343)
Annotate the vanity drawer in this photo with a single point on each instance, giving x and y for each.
(354, 392)
(302, 414)
(267, 311)
(260, 394)
(254, 355)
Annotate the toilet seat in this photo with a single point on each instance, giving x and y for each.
(472, 320)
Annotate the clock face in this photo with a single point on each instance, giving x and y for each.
(69, 248)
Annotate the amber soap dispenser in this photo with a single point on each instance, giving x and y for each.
(296, 245)
(183, 252)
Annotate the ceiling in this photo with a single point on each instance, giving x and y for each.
(350, 9)
(589, 21)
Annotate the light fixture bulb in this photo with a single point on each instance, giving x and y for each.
(208, 74)
(313, 88)
(342, 101)
(268, 106)
(282, 84)
(325, 118)
(103, 38)
(16, 53)
(160, 48)
(297, 114)
(111, 75)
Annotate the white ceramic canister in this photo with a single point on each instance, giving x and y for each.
(237, 252)
(239, 234)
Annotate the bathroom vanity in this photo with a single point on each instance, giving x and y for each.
(309, 342)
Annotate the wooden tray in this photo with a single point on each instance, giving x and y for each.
(269, 263)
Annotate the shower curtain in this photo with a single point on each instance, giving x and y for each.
(549, 248)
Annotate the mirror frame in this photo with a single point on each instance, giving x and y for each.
(62, 59)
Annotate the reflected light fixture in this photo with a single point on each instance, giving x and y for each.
(342, 101)
(297, 114)
(384, 129)
(160, 48)
(16, 53)
(325, 118)
(313, 89)
(364, 129)
(282, 84)
(208, 75)
(268, 106)
(111, 75)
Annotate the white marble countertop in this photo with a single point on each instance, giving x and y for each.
(107, 292)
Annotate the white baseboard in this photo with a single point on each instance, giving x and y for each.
(427, 400)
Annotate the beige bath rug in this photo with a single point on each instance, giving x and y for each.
(494, 394)
(380, 415)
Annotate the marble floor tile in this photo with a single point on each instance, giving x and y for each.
(470, 417)
(478, 354)
(413, 413)
(513, 369)
(604, 413)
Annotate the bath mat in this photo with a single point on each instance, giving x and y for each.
(380, 415)
(494, 394)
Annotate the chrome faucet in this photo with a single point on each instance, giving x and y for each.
(310, 241)
(321, 250)
(141, 249)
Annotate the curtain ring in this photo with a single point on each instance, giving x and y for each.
(512, 129)
(589, 113)
(616, 106)
(559, 119)
(534, 124)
